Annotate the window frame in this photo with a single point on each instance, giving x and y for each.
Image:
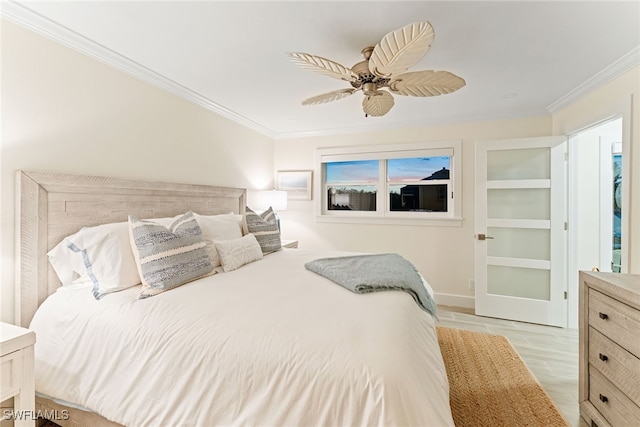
(383, 213)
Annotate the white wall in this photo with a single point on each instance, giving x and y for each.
(63, 111)
(444, 255)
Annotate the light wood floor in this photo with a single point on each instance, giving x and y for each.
(550, 353)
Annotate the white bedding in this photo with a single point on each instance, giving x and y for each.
(268, 344)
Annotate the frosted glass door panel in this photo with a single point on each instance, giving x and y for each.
(518, 282)
(528, 243)
(520, 202)
(531, 163)
(531, 203)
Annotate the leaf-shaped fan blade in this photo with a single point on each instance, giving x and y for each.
(426, 83)
(401, 49)
(378, 104)
(323, 66)
(328, 97)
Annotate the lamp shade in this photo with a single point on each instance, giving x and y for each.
(261, 200)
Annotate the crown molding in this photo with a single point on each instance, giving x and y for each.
(614, 70)
(408, 124)
(25, 17)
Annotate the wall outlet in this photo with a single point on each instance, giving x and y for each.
(472, 284)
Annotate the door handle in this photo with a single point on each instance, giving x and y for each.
(483, 237)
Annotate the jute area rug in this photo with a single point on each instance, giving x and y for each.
(490, 385)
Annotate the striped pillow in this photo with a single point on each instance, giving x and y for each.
(265, 228)
(168, 257)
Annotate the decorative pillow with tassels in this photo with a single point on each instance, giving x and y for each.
(168, 257)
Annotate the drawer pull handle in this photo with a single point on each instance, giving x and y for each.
(603, 316)
(603, 398)
(603, 357)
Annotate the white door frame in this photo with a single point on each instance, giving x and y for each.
(573, 149)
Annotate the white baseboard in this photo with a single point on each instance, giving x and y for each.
(455, 300)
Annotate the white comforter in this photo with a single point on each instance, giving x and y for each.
(270, 344)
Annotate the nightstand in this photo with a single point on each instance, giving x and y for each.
(17, 372)
(292, 244)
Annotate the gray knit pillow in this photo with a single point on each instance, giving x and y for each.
(168, 257)
(265, 228)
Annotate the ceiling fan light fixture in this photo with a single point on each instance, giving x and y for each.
(384, 66)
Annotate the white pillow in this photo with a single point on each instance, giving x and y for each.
(219, 227)
(101, 255)
(238, 252)
(66, 263)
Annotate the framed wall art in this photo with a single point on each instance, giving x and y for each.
(297, 184)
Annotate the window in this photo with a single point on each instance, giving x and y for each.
(352, 185)
(398, 183)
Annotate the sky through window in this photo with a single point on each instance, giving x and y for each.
(406, 169)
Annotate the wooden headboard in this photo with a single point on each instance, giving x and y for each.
(51, 206)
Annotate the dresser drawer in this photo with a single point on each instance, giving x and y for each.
(615, 320)
(617, 364)
(618, 409)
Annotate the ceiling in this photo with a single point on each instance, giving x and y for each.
(518, 58)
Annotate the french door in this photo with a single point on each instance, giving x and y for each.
(520, 245)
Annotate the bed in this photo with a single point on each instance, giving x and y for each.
(266, 343)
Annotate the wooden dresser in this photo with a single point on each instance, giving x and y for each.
(609, 318)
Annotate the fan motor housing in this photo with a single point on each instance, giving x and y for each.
(366, 76)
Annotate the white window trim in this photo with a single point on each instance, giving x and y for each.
(383, 215)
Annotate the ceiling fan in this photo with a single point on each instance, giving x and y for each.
(383, 67)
